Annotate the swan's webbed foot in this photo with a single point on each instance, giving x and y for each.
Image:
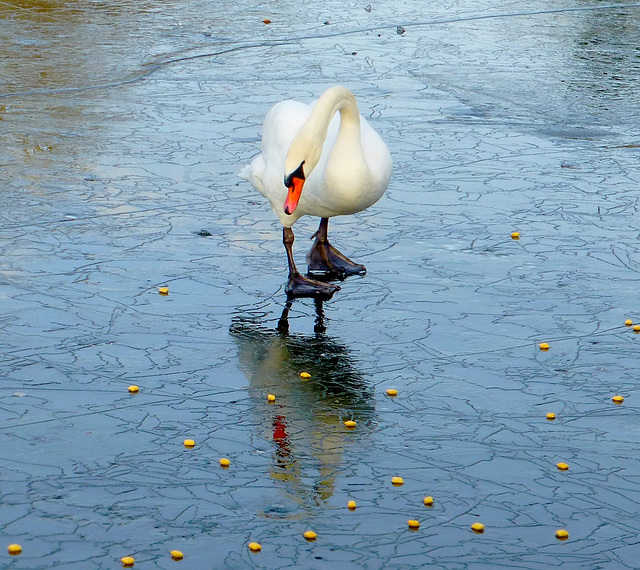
(300, 286)
(324, 258)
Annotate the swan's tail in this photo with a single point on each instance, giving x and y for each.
(245, 172)
(252, 173)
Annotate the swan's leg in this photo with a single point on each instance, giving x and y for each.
(298, 285)
(324, 258)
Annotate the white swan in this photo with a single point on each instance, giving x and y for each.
(340, 161)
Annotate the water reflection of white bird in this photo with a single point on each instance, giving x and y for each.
(305, 424)
(340, 161)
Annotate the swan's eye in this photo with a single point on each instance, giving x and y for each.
(297, 173)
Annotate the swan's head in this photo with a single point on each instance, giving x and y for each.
(294, 183)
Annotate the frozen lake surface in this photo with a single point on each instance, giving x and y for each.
(122, 128)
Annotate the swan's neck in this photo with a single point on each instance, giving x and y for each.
(307, 144)
(336, 99)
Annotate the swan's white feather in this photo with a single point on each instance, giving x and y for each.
(346, 182)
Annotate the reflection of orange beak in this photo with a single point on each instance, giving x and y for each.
(293, 196)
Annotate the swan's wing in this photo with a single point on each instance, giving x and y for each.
(281, 124)
(266, 171)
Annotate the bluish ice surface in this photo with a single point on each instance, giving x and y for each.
(122, 128)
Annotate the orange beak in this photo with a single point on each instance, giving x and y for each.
(293, 196)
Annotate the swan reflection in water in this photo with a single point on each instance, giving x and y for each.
(305, 424)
